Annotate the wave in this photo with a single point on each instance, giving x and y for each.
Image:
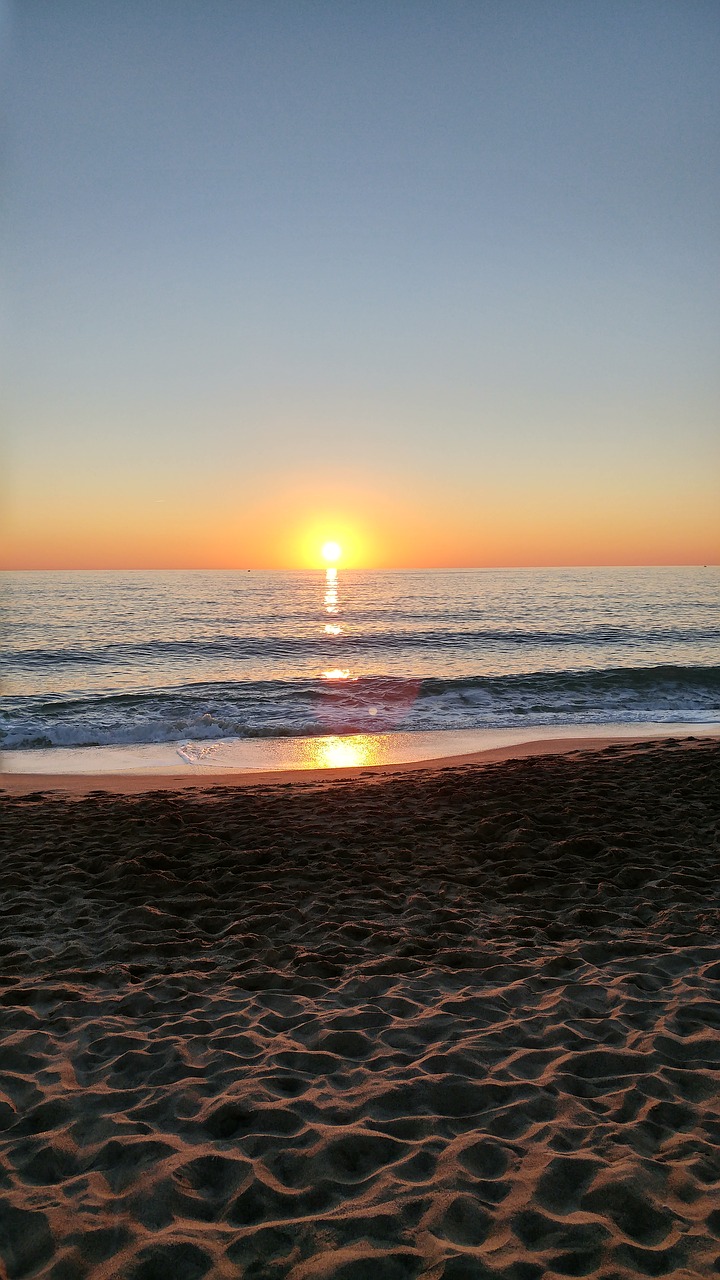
(264, 646)
(295, 708)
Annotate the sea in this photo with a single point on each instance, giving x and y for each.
(191, 665)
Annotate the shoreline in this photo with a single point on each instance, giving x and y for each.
(208, 777)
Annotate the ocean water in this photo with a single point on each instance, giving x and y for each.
(190, 658)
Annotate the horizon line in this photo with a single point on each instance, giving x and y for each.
(321, 568)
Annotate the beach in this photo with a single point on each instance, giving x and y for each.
(360, 675)
(452, 1021)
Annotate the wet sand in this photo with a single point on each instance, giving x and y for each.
(137, 779)
(454, 1022)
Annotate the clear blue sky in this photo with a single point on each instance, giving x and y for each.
(458, 260)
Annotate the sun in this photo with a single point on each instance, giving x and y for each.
(331, 551)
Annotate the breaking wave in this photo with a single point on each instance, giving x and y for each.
(298, 708)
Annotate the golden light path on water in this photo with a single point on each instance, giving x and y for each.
(331, 756)
(331, 591)
(332, 551)
(331, 605)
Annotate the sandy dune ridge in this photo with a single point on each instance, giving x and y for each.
(460, 1023)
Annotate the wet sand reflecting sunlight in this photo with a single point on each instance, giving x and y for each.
(343, 753)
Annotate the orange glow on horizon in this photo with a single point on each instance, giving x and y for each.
(378, 523)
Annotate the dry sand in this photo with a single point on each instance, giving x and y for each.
(456, 1023)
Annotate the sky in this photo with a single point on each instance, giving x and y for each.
(437, 279)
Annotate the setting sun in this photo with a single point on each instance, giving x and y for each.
(331, 550)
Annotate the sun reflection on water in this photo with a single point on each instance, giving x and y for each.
(331, 594)
(333, 628)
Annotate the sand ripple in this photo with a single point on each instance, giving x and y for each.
(458, 1025)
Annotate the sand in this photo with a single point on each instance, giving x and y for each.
(76, 778)
(444, 1023)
